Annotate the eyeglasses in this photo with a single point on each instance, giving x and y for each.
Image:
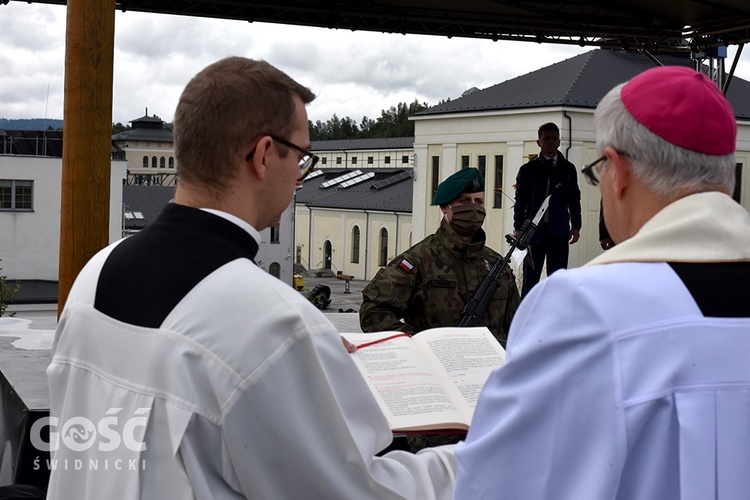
(307, 162)
(591, 173)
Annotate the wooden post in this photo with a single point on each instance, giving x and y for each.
(87, 136)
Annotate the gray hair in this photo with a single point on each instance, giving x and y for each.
(662, 165)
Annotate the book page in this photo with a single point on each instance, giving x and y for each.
(403, 383)
(465, 356)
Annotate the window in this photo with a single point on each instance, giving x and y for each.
(355, 245)
(482, 165)
(153, 162)
(16, 195)
(464, 162)
(383, 248)
(275, 269)
(387, 160)
(171, 162)
(338, 160)
(323, 160)
(405, 159)
(370, 160)
(498, 181)
(354, 160)
(435, 176)
(738, 183)
(275, 230)
(145, 162)
(162, 162)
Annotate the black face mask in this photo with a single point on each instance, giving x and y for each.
(467, 219)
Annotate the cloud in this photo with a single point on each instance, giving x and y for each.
(354, 74)
(31, 61)
(40, 31)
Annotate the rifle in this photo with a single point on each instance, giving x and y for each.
(480, 301)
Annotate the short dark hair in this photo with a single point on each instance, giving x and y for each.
(222, 109)
(547, 127)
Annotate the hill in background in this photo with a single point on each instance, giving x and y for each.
(31, 124)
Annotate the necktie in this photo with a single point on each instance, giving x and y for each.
(550, 165)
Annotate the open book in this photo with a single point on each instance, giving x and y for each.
(431, 381)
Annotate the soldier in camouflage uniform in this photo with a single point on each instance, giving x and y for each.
(428, 285)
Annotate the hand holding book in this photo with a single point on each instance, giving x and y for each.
(429, 381)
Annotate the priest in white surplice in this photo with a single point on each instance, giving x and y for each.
(181, 370)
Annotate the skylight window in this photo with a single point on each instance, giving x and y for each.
(357, 180)
(340, 179)
(314, 174)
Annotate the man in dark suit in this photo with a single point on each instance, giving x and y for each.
(549, 174)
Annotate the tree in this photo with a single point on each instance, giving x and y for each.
(366, 125)
(8, 291)
(393, 122)
(119, 127)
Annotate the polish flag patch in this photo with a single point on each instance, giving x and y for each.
(406, 265)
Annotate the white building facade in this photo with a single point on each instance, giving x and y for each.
(30, 214)
(496, 130)
(354, 242)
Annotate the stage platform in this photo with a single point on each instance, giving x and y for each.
(25, 352)
(24, 355)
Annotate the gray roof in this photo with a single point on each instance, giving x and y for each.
(145, 128)
(145, 119)
(395, 193)
(41, 143)
(363, 144)
(36, 292)
(144, 134)
(148, 200)
(578, 82)
(31, 142)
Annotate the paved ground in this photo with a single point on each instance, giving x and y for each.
(340, 299)
(342, 310)
(344, 307)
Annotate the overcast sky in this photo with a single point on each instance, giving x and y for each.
(354, 74)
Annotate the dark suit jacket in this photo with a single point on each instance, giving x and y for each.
(536, 179)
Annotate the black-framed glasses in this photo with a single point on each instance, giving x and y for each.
(591, 173)
(306, 163)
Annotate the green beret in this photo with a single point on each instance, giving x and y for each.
(466, 180)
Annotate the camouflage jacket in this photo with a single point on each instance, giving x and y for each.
(428, 286)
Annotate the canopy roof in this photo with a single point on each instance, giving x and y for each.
(689, 25)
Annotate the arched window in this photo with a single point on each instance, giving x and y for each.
(355, 245)
(145, 162)
(153, 162)
(163, 162)
(383, 247)
(328, 254)
(171, 162)
(275, 269)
